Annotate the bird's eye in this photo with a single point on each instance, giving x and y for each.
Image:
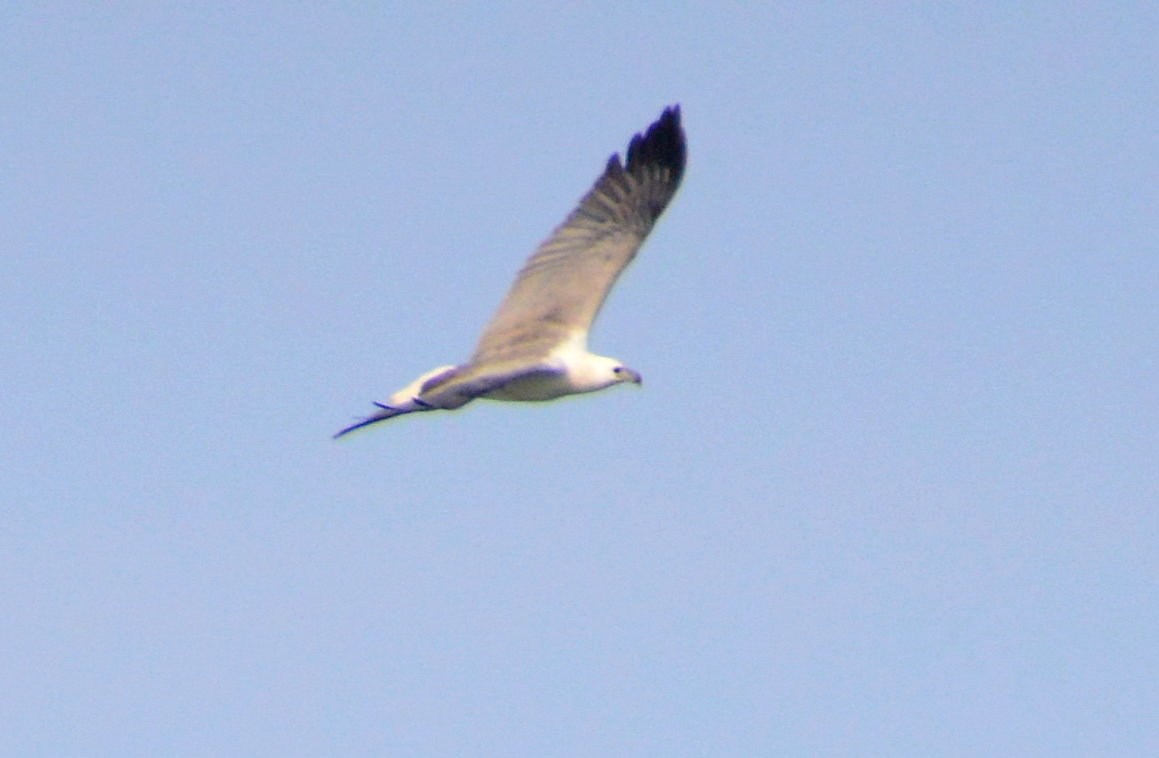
(618, 370)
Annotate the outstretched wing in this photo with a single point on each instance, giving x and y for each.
(560, 289)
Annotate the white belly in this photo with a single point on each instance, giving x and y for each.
(547, 385)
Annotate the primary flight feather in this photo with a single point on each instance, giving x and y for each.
(535, 347)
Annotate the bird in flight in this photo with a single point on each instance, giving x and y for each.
(535, 347)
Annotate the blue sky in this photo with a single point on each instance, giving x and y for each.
(890, 485)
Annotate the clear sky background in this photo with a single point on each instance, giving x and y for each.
(890, 487)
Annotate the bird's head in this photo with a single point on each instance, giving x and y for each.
(588, 372)
(624, 374)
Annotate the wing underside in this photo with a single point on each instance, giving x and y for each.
(561, 287)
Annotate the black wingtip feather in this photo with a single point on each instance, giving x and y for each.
(661, 145)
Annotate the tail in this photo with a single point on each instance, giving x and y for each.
(406, 400)
(384, 412)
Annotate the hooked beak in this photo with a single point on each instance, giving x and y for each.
(635, 378)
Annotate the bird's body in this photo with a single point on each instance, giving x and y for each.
(535, 347)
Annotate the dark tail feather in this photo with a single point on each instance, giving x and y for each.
(387, 412)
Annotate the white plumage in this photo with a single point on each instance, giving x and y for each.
(535, 347)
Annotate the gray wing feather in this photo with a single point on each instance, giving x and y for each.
(560, 289)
